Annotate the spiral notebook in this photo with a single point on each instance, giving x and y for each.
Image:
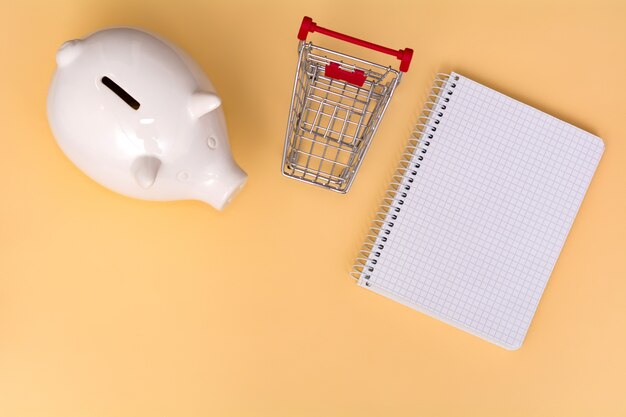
(478, 210)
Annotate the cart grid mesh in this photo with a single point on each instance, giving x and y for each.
(332, 121)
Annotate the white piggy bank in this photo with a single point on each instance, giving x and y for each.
(137, 115)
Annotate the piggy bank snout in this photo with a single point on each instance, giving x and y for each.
(219, 186)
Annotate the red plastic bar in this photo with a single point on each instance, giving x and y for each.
(356, 77)
(309, 26)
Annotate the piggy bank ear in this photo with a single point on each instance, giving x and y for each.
(68, 52)
(202, 103)
(145, 170)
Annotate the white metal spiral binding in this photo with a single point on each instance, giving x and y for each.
(424, 131)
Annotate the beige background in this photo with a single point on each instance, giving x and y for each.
(117, 307)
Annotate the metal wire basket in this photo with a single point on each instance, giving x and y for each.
(337, 104)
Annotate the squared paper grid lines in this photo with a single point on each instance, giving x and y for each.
(487, 216)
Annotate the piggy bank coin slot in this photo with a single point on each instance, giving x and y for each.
(120, 92)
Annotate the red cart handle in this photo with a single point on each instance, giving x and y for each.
(309, 26)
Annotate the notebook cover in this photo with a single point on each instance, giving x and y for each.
(490, 205)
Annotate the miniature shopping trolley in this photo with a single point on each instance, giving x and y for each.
(337, 104)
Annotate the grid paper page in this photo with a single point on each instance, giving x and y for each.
(487, 214)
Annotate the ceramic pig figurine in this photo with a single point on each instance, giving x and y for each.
(137, 115)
